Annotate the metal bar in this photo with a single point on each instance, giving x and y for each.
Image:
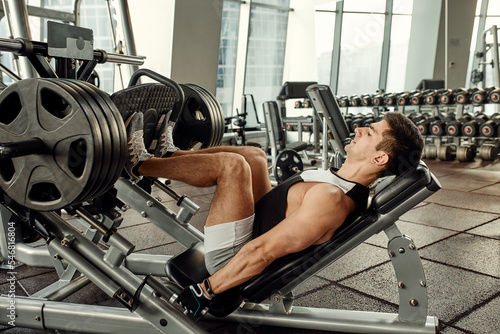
(51, 14)
(128, 32)
(328, 320)
(337, 39)
(265, 5)
(11, 74)
(386, 46)
(496, 63)
(50, 315)
(479, 36)
(19, 19)
(157, 213)
(19, 149)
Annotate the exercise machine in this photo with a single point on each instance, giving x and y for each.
(148, 302)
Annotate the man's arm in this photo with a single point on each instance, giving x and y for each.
(323, 209)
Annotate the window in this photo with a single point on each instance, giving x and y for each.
(227, 56)
(265, 54)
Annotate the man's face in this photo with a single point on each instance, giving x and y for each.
(364, 144)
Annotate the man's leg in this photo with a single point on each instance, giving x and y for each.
(233, 197)
(254, 156)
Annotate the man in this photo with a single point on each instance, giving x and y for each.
(249, 225)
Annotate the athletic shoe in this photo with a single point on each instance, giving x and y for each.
(136, 149)
(165, 145)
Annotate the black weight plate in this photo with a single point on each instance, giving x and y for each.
(108, 148)
(34, 108)
(103, 139)
(194, 124)
(110, 121)
(288, 163)
(213, 114)
(120, 125)
(218, 115)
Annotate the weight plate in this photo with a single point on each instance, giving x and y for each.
(214, 113)
(103, 142)
(194, 125)
(120, 126)
(466, 153)
(34, 108)
(109, 150)
(488, 152)
(222, 122)
(213, 116)
(288, 163)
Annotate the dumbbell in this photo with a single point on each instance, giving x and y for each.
(369, 119)
(448, 97)
(390, 99)
(494, 96)
(424, 125)
(355, 101)
(481, 96)
(454, 128)
(418, 98)
(306, 103)
(447, 152)
(465, 96)
(298, 104)
(357, 121)
(466, 153)
(438, 126)
(366, 100)
(432, 97)
(378, 100)
(343, 101)
(491, 127)
(471, 128)
(430, 151)
(404, 99)
(488, 152)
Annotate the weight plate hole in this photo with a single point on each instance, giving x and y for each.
(55, 104)
(7, 169)
(77, 157)
(44, 192)
(11, 107)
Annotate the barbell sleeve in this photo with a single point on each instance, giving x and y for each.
(12, 150)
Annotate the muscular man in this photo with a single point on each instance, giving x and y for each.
(249, 224)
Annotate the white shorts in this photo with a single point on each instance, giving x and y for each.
(223, 241)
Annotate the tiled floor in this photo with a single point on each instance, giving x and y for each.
(457, 231)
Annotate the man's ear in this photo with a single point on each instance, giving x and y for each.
(380, 159)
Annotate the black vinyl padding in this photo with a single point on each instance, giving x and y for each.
(294, 90)
(279, 129)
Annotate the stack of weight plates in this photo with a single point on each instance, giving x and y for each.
(85, 142)
(201, 122)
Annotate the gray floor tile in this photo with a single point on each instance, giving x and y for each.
(493, 190)
(420, 234)
(481, 320)
(463, 200)
(451, 291)
(452, 218)
(461, 182)
(491, 229)
(360, 258)
(145, 236)
(467, 251)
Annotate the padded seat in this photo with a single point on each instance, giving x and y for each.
(290, 267)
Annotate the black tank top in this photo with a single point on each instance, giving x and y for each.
(271, 208)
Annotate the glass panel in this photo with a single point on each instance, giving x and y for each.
(365, 6)
(327, 6)
(361, 53)
(93, 15)
(490, 21)
(227, 56)
(402, 7)
(325, 25)
(400, 35)
(265, 56)
(283, 3)
(493, 7)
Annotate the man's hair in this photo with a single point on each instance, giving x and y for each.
(402, 142)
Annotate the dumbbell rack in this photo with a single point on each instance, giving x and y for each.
(444, 147)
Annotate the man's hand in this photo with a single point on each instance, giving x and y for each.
(194, 300)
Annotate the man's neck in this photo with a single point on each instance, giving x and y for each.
(362, 173)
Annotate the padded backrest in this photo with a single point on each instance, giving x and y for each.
(287, 268)
(294, 90)
(274, 113)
